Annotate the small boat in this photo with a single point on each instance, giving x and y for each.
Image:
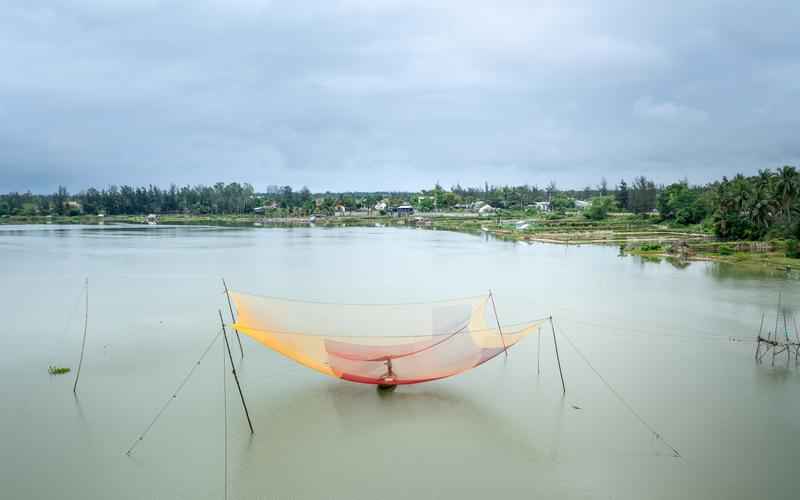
(388, 382)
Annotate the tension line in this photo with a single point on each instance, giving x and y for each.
(174, 394)
(622, 400)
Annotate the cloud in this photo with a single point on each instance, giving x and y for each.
(646, 107)
(393, 94)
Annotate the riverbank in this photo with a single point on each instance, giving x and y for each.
(767, 256)
(635, 235)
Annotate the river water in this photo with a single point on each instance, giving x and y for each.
(673, 342)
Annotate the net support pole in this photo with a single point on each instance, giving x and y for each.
(777, 317)
(499, 329)
(83, 342)
(555, 343)
(233, 318)
(235, 375)
(758, 340)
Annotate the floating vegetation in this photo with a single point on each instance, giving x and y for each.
(57, 370)
(650, 247)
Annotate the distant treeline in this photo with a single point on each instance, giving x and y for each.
(761, 206)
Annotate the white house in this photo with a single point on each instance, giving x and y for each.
(476, 206)
(580, 204)
(543, 206)
(486, 210)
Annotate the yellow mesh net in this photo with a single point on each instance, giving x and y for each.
(380, 344)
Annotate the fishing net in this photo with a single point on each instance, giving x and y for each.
(380, 344)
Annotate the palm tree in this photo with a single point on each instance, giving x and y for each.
(740, 193)
(764, 179)
(786, 188)
(762, 208)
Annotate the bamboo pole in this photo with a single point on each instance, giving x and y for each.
(560, 372)
(777, 317)
(83, 342)
(758, 344)
(497, 319)
(233, 318)
(235, 375)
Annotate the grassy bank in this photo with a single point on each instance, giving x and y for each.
(768, 256)
(636, 235)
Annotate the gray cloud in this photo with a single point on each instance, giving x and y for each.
(390, 94)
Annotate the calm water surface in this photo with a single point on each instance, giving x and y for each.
(660, 334)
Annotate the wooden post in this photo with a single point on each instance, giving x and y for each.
(83, 343)
(494, 308)
(235, 375)
(777, 317)
(758, 343)
(233, 317)
(563, 387)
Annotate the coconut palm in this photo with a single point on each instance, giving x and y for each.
(762, 208)
(786, 189)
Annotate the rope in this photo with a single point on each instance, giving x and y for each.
(324, 303)
(711, 337)
(622, 400)
(174, 395)
(516, 327)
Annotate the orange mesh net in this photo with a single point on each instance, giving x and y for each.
(380, 344)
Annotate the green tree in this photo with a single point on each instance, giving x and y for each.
(561, 203)
(60, 199)
(600, 207)
(622, 195)
(642, 196)
(681, 203)
(786, 189)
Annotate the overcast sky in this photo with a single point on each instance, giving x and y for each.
(374, 95)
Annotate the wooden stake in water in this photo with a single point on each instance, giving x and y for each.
(563, 387)
(83, 343)
(758, 344)
(235, 375)
(494, 308)
(233, 317)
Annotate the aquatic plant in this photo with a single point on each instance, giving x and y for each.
(650, 247)
(57, 370)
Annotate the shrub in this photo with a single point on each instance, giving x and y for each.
(793, 249)
(650, 247)
(725, 250)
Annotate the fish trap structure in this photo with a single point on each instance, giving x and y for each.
(781, 342)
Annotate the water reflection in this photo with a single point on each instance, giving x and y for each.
(658, 331)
